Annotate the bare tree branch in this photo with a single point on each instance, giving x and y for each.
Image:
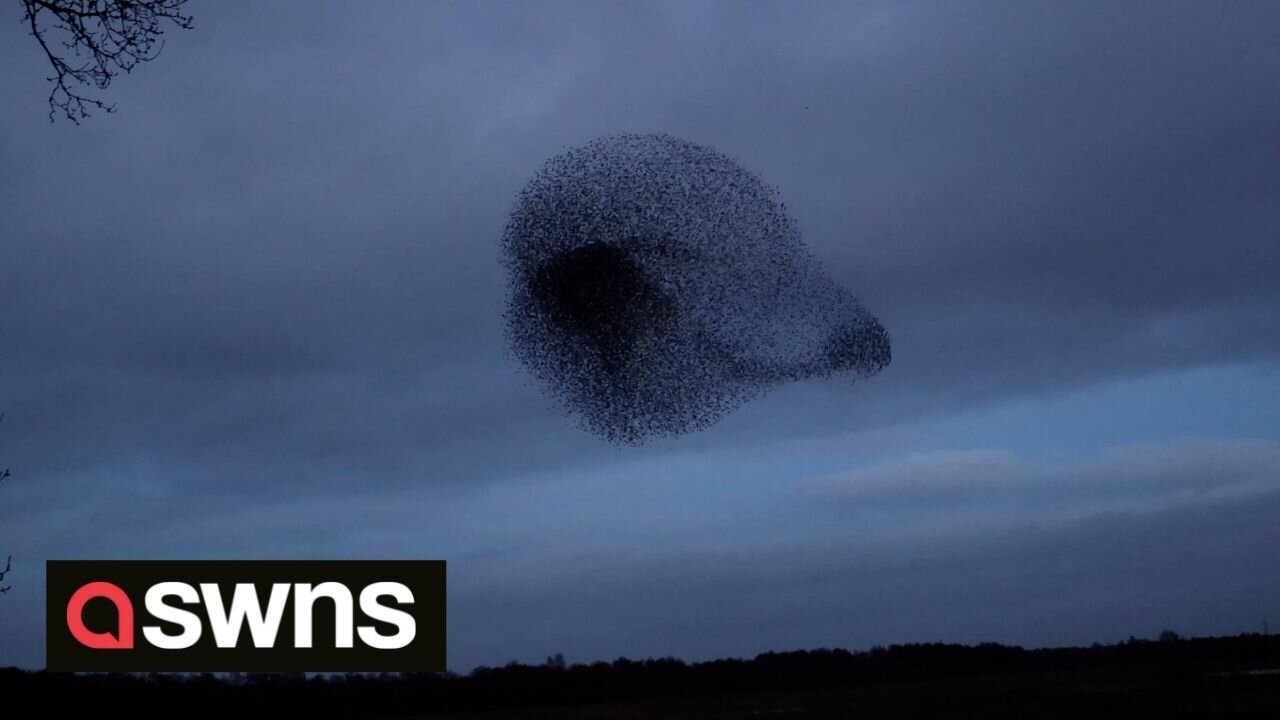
(5, 473)
(100, 38)
(8, 563)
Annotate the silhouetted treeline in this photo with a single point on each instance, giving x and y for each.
(622, 681)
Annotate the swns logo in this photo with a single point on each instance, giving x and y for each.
(248, 616)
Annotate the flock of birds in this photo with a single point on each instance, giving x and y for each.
(656, 285)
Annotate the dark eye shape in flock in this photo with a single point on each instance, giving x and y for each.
(656, 285)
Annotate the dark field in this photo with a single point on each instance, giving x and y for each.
(1228, 674)
(1052, 695)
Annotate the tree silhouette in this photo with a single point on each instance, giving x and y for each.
(918, 679)
(91, 41)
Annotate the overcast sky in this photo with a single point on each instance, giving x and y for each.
(256, 313)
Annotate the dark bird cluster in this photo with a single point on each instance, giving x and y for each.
(656, 285)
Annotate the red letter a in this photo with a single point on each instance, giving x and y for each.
(123, 640)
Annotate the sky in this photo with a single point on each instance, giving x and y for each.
(256, 313)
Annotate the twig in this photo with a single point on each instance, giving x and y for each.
(108, 35)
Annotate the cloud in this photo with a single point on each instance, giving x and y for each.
(667, 556)
(1101, 213)
(961, 490)
(1101, 578)
(260, 307)
(927, 476)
